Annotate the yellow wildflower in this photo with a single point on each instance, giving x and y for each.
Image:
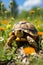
(38, 26)
(37, 22)
(12, 18)
(8, 26)
(32, 11)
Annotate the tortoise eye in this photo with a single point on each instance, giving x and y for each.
(19, 30)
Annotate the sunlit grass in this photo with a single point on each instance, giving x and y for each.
(6, 28)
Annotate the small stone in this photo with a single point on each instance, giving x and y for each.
(25, 61)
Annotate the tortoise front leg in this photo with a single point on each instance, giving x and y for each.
(9, 42)
(32, 42)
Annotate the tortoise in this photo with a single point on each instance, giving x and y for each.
(25, 31)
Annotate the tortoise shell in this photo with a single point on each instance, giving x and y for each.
(27, 27)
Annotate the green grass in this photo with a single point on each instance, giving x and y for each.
(6, 55)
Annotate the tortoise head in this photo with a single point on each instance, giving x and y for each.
(18, 33)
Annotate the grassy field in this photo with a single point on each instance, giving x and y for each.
(5, 28)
